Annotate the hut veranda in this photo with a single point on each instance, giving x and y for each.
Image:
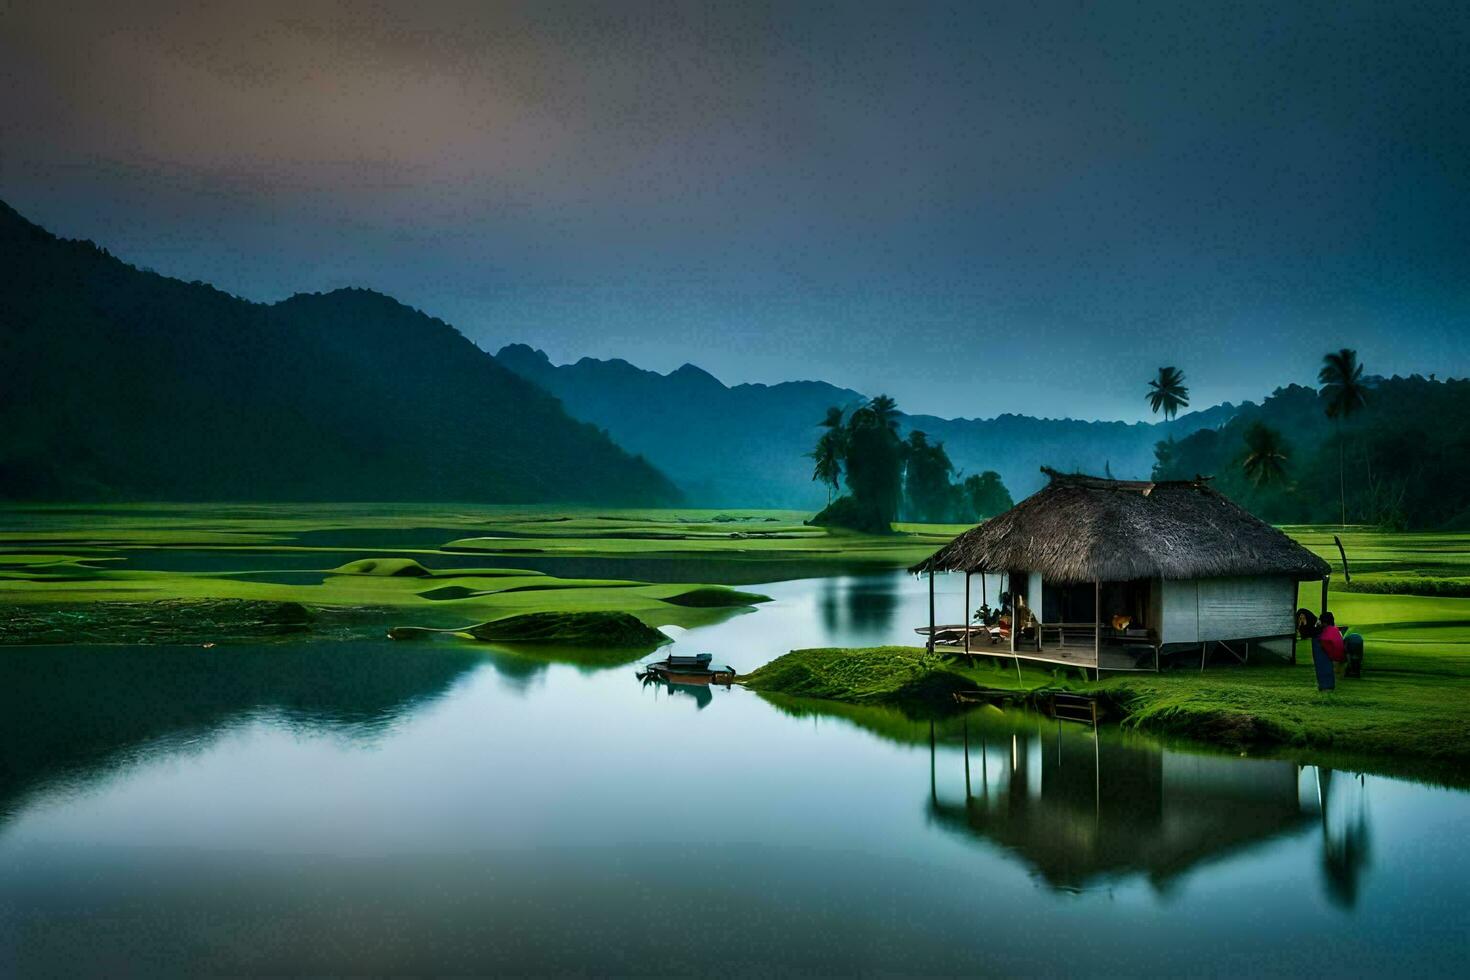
(1122, 575)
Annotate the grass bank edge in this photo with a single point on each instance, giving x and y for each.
(1403, 722)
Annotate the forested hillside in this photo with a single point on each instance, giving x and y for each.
(124, 384)
(1405, 456)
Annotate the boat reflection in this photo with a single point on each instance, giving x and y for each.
(687, 676)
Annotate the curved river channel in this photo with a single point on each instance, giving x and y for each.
(360, 806)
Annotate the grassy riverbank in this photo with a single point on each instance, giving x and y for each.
(1410, 712)
(1412, 708)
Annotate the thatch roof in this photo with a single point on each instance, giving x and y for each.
(1083, 528)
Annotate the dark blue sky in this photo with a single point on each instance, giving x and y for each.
(977, 208)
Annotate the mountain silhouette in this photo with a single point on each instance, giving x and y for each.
(125, 384)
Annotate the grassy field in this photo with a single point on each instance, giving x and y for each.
(403, 565)
(1395, 562)
(406, 529)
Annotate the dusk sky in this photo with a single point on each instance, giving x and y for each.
(977, 208)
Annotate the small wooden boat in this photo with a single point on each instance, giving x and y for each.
(688, 670)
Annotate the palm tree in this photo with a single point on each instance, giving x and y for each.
(1265, 455)
(828, 457)
(885, 410)
(1342, 386)
(1167, 392)
(829, 452)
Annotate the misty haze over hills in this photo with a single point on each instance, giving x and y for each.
(745, 445)
(126, 384)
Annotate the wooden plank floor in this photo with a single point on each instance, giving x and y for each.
(1067, 656)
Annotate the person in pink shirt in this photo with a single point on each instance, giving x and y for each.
(1332, 645)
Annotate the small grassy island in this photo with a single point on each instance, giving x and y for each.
(617, 630)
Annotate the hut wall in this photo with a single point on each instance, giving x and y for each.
(1180, 617)
(1232, 608)
(1196, 611)
(1034, 595)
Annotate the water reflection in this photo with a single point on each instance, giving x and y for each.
(702, 694)
(1343, 801)
(1080, 807)
(859, 603)
(76, 713)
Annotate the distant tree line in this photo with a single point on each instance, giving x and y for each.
(1391, 452)
(891, 478)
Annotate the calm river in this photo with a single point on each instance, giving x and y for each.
(360, 806)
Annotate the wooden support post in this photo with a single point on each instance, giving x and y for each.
(1097, 627)
(984, 766)
(1325, 580)
(1015, 622)
(1096, 771)
(1295, 636)
(933, 793)
(967, 614)
(931, 607)
(966, 721)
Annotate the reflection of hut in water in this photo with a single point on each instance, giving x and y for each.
(1075, 808)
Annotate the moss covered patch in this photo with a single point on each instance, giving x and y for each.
(617, 630)
(878, 675)
(394, 567)
(161, 621)
(716, 598)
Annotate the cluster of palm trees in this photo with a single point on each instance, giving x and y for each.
(1265, 456)
(886, 474)
(863, 447)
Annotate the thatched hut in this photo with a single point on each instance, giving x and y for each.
(1114, 574)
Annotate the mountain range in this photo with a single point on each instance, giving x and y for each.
(124, 384)
(745, 445)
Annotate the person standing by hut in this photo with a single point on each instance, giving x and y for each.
(1309, 628)
(1332, 645)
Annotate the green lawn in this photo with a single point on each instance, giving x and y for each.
(492, 530)
(76, 556)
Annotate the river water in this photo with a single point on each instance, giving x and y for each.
(360, 806)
